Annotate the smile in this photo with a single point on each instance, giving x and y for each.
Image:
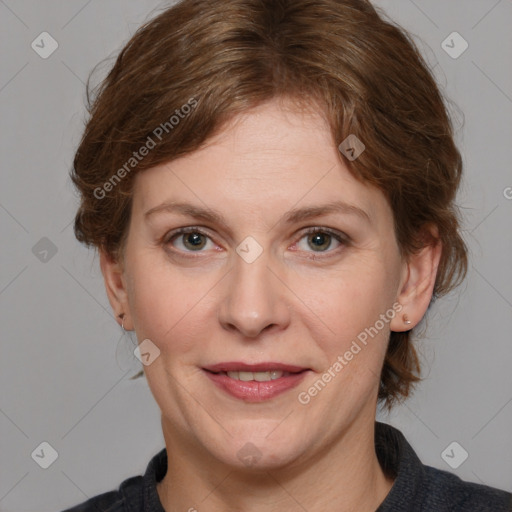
(255, 383)
(257, 376)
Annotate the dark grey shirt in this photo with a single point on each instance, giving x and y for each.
(417, 488)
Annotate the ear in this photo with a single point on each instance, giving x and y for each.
(115, 286)
(417, 283)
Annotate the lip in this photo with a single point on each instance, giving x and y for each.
(258, 367)
(254, 391)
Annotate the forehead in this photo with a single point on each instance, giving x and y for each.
(270, 158)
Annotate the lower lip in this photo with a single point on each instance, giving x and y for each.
(254, 391)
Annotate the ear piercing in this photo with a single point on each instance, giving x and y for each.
(121, 316)
(406, 320)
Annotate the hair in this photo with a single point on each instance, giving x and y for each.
(203, 63)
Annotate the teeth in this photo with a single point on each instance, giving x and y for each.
(257, 376)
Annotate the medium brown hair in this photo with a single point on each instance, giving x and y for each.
(364, 73)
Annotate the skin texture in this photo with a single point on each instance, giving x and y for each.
(205, 306)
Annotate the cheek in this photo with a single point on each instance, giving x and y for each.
(349, 297)
(349, 304)
(167, 304)
(175, 307)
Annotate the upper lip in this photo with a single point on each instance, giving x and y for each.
(258, 367)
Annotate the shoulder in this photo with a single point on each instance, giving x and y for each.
(138, 493)
(112, 501)
(446, 491)
(424, 488)
(130, 491)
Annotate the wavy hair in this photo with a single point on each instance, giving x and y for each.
(363, 71)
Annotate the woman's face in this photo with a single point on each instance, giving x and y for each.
(250, 284)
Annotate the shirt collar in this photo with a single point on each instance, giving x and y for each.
(398, 459)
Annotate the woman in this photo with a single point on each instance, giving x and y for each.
(270, 186)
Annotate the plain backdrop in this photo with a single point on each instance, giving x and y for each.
(65, 365)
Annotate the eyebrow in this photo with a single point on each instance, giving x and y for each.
(293, 216)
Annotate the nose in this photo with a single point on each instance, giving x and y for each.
(254, 299)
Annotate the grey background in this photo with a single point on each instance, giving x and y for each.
(65, 365)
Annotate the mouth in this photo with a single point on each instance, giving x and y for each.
(255, 376)
(255, 382)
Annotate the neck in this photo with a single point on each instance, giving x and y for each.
(345, 476)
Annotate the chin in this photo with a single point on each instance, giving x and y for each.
(252, 457)
(261, 448)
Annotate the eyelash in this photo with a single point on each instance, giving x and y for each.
(343, 239)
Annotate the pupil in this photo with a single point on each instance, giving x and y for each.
(321, 241)
(194, 239)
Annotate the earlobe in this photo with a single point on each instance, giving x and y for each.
(115, 287)
(417, 286)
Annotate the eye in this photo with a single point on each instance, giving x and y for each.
(192, 239)
(189, 240)
(321, 240)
